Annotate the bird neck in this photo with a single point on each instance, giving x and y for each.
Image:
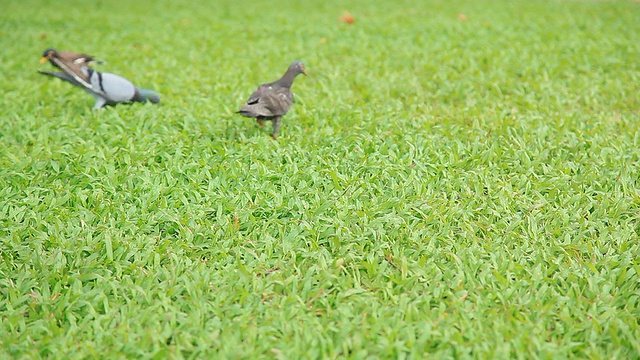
(287, 79)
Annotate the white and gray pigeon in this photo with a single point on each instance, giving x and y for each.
(271, 101)
(106, 88)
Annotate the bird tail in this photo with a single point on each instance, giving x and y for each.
(248, 111)
(143, 95)
(245, 113)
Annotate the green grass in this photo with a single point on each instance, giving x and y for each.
(442, 188)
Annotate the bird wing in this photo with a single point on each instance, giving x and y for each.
(254, 98)
(111, 86)
(79, 59)
(268, 100)
(73, 70)
(61, 75)
(280, 101)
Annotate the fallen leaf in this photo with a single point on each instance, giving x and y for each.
(347, 18)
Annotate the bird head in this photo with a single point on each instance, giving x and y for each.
(47, 54)
(298, 68)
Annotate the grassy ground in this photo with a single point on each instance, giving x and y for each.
(456, 180)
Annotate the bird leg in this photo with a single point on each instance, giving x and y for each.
(276, 127)
(100, 102)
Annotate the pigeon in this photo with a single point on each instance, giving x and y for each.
(106, 88)
(271, 101)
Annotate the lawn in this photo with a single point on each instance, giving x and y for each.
(457, 179)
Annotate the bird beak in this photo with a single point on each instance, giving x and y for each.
(304, 71)
(43, 60)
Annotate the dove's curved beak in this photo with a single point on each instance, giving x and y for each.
(304, 71)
